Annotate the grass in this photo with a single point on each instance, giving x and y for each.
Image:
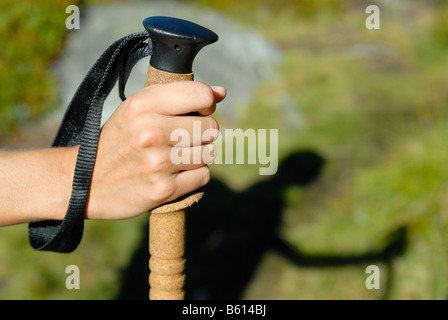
(374, 104)
(371, 102)
(33, 34)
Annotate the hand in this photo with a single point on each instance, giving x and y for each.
(133, 171)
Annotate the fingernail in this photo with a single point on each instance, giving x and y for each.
(219, 89)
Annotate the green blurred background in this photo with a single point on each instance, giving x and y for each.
(370, 158)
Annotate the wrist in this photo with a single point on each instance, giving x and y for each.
(55, 185)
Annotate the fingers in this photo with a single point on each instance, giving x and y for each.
(141, 163)
(182, 97)
(185, 172)
(191, 180)
(220, 93)
(191, 158)
(189, 131)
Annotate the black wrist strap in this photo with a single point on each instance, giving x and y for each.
(81, 126)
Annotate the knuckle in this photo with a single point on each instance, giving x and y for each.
(211, 130)
(157, 162)
(163, 190)
(135, 106)
(213, 124)
(149, 137)
(206, 95)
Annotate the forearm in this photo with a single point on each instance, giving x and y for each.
(35, 184)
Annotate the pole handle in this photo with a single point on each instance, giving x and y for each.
(167, 226)
(175, 43)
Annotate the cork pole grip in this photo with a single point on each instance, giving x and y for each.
(167, 227)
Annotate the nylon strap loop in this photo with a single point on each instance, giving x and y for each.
(81, 126)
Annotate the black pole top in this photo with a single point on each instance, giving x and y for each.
(175, 42)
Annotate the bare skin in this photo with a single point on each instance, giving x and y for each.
(133, 172)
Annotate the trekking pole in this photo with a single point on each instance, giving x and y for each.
(175, 43)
